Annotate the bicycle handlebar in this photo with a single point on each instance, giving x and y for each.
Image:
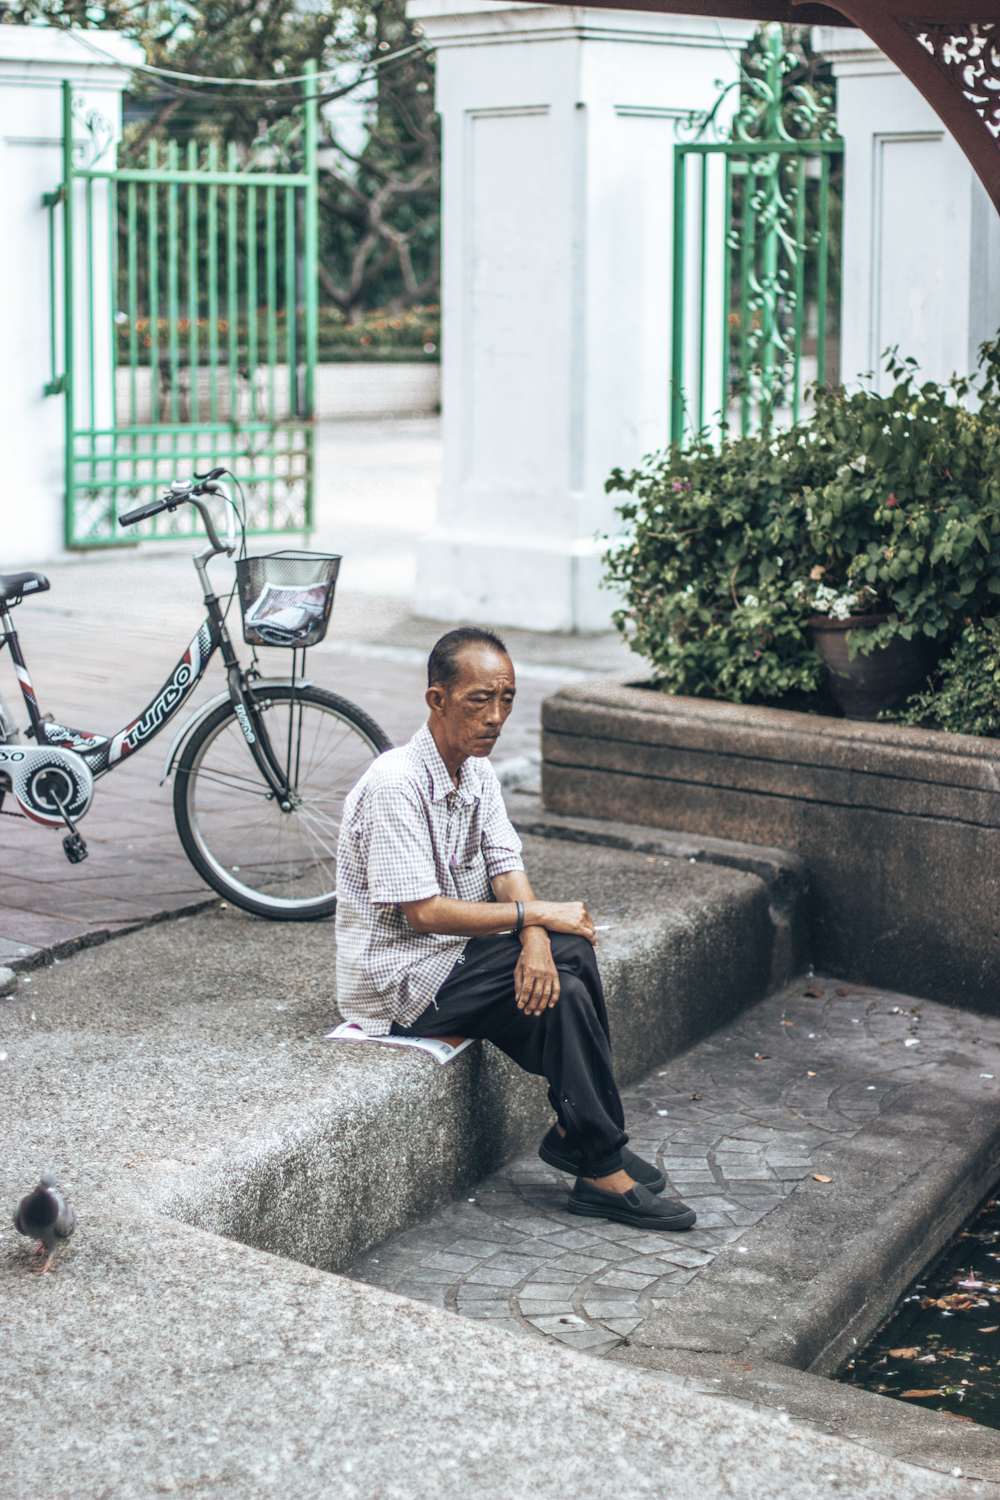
(185, 491)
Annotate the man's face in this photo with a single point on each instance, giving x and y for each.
(471, 713)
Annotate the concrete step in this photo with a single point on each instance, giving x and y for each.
(179, 1074)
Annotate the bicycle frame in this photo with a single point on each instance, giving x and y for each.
(103, 753)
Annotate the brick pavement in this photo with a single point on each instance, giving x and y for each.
(736, 1124)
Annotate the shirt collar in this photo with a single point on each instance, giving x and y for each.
(442, 785)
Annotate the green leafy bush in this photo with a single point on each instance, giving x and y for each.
(910, 522)
(964, 693)
(716, 538)
(885, 504)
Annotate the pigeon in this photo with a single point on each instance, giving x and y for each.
(45, 1215)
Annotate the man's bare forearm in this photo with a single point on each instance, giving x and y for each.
(448, 918)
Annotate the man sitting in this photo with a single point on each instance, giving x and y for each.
(439, 933)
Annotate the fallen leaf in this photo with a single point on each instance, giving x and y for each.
(762, 1056)
(843, 992)
(818, 1177)
(984, 1369)
(927, 1359)
(741, 1367)
(911, 1395)
(695, 1096)
(992, 1329)
(810, 1075)
(957, 1415)
(903, 1354)
(814, 994)
(958, 1301)
(786, 1023)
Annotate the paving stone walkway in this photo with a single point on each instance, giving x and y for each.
(735, 1123)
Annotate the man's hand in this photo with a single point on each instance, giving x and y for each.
(536, 978)
(562, 916)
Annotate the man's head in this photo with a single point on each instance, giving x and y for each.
(470, 693)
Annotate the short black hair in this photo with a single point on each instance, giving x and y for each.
(442, 664)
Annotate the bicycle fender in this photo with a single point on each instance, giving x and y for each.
(177, 743)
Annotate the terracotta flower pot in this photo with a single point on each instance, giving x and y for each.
(868, 685)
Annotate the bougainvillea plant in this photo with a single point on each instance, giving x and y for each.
(876, 504)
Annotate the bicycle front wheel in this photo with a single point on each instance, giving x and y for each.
(276, 864)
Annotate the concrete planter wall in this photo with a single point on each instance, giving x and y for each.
(899, 827)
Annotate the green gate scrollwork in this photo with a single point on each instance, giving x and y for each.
(769, 192)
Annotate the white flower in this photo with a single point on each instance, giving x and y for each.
(858, 464)
(751, 602)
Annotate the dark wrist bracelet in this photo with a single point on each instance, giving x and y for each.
(520, 916)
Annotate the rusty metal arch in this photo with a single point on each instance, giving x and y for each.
(953, 61)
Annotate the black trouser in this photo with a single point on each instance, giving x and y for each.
(568, 1043)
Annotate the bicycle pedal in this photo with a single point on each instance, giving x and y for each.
(75, 848)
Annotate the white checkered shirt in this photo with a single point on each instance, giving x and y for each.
(407, 834)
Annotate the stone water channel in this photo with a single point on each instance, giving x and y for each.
(941, 1348)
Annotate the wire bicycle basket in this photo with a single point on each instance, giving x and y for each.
(286, 597)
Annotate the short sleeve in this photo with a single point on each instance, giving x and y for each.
(400, 853)
(501, 845)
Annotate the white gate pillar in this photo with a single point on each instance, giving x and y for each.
(34, 60)
(559, 134)
(921, 239)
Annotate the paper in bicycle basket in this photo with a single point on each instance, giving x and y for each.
(283, 614)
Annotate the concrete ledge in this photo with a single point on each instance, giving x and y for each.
(159, 1359)
(900, 828)
(244, 1122)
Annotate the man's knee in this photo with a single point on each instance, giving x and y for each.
(573, 953)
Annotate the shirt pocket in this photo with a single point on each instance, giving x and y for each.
(470, 879)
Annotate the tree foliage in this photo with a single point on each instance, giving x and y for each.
(380, 206)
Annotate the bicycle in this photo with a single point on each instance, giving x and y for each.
(260, 771)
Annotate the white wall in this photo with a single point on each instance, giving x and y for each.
(921, 238)
(33, 63)
(559, 135)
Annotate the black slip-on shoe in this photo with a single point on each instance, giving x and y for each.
(638, 1207)
(553, 1152)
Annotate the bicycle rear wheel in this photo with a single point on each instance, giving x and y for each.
(276, 864)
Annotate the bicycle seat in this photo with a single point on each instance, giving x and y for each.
(13, 586)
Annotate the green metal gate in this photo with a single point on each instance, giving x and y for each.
(755, 259)
(184, 305)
